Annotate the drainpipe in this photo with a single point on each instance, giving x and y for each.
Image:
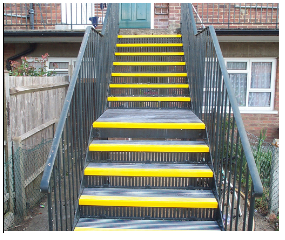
(29, 50)
(31, 12)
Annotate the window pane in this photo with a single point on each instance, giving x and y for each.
(261, 74)
(236, 65)
(259, 99)
(58, 65)
(239, 83)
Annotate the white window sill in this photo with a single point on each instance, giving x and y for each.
(258, 112)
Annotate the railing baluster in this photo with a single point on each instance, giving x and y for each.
(63, 173)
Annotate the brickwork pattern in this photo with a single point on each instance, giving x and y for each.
(47, 15)
(238, 15)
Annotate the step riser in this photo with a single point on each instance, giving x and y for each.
(148, 157)
(149, 49)
(149, 182)
(150, 80)
(149, 213)
(150, 58)
(151, 92)
(149, 69)
(150, 133)
(154, 105)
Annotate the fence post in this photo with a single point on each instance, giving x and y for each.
(274, 183)
(19, 170)
(8, 149)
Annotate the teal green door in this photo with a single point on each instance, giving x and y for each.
(135, 15)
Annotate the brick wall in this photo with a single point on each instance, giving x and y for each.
(167, 15)
(15, 15)
(239, 15)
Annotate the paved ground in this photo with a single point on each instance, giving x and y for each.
(36, 220)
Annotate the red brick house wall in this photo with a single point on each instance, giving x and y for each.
(167, 15)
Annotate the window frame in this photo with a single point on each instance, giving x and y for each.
(60, 59)
(271, 90)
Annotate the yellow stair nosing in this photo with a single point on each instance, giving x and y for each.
(133, 172)
(136, 125)
(149, 45)
(149, 99)
(147, 148)
(89, 200)
(149, 53)
(151, 36)
(149, 63)
(141, 85)
(149, 74)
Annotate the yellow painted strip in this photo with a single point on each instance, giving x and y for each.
(148, 125)
(149, 63)
(149, 99)
(149, 74)
(125, 229)
(88, 200)
(149, 53)
(148, 85)
(147, 148)
(149, 45)
(150, 36)
(134, 172)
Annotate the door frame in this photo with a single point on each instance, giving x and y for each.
(152, 16)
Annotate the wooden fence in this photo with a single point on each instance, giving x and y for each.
(32, 107)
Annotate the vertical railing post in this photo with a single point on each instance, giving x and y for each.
(251, 210)
(31, 13)
(50, 217)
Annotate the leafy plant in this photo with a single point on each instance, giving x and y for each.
(26, 68)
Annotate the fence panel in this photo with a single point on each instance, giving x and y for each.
(32, 109)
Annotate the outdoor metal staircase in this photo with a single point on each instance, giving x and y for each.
(133, 151)
(148, 166)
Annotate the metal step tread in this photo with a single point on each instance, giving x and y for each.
(149, 85)
(149, 118)
(148, 146)
(92, 224)
(148, 170)
(182, 74)
(149, 45)
(148, 99)
(149, 53)
(148, 63)
(149, 115)
(148, 198)
(151, 36)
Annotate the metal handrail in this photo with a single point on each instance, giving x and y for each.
(213, 101)
(257, 185)
(85, 101)
(45, 182)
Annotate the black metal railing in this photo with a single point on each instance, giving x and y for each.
(237, 15)
(213, 100)
(85, 101)
(58, 16)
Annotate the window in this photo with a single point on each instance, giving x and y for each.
(60, 65)
(253, 81)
